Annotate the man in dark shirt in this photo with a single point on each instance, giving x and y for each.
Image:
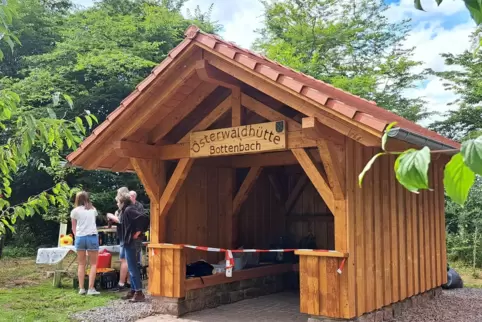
(136, 203)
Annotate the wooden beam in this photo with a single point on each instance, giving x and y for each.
(152, 174)
(268, 113)
(314, 129)
(210, 74)
(344, 125)
(295, 193)
(137, 116)
(236, 108)
(181, 111)
(314, 173)
(128, 149)
(149, 172)
(174, 185)
(138, 150)
(245, 188)
(120, 165)
(212, 117)
(272, 159)
(276, 185)
(331, 164)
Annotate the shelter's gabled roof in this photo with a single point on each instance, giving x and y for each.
(356, 108)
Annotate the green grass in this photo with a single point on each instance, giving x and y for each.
(467, 273)
(27, 295)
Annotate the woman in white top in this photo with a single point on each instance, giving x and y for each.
(86, 239)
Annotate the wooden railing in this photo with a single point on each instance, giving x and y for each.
(167, 270)
(320, 287)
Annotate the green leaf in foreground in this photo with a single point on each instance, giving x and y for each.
(472, 154)
(411, 168)
(385, 135)
(475, 9)
(367, 167)
(458, 179)
(418, 5)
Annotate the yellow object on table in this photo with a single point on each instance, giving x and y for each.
(66, 240)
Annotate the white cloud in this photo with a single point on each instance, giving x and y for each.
(240, 19)
(430, 39)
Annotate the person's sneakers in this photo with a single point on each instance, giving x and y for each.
(93, 292)
(129, 295)
(138, 297)
(82, 291)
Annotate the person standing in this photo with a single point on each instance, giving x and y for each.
(136, 203)
(130, 239)
(86, 241)
(122, 285)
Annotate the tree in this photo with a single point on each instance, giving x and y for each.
(24, 130)
(460, 173)
(96, 55)
(349, 44)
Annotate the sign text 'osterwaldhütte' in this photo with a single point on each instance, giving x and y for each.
(253, 138)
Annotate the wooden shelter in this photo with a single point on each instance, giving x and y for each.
(299, 177)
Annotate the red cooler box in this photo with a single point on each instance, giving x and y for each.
(104, 260)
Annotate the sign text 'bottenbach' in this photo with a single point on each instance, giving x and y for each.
(253, 138)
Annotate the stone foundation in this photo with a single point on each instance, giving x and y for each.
(389, 312)
(213, 296)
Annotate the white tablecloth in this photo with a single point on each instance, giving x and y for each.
(56, 254)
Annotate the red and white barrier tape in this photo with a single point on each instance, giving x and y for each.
(230, 259)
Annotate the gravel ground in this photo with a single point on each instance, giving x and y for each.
(117, 310)
(462, 305)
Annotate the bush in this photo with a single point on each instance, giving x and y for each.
(17, 252)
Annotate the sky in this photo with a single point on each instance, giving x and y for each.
(444, 29)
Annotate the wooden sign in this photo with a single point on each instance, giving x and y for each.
(253, 138)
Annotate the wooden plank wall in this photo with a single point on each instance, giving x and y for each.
(261, 220)
(310, 214)
(320, 286)
(200, 212)
(399, 236)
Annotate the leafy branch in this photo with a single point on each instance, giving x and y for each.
(411, 167)
(58, 195)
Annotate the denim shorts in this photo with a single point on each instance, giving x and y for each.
(90, 242)
(122, 253)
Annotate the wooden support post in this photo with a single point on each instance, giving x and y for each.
(319, 286)
(167, 270)
(173, 187)
(152, 174)
(236, 108)
(331, 164)
(239, 199)
(314, 173)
